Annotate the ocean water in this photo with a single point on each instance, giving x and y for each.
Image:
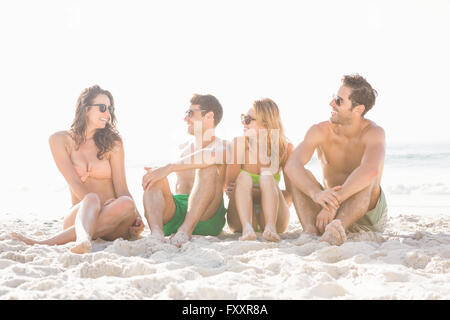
(416, 180)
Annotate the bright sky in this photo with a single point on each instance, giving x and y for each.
(153, 56)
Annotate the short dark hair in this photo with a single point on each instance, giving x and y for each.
(209, 103)
(362, 91)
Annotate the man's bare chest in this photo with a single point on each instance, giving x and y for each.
(342, 156)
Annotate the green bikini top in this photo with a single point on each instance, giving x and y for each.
(255, 177)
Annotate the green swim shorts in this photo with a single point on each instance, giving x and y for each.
(210, 227)
(375, 219)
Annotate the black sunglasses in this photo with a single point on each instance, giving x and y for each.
(190, 112)
(246, 118)
(102, 107)
(338, 100)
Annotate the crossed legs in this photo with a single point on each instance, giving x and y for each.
(88, 220)
(350, 211)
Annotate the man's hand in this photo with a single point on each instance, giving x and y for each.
(137, 227)
(153, 175)
(324, 218)
(328, 199)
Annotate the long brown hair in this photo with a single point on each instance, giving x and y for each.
(104, 138)
(268, 114)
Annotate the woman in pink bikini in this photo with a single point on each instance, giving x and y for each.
(90, 156)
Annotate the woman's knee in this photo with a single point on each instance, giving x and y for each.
(92, 199)
(244, 180)
(267, 181)
(126, 205)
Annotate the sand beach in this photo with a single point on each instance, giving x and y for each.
(410, 260)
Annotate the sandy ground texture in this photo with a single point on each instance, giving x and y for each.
(410, 260)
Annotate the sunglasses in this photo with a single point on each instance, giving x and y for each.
(102, 107)
(190, 112)
(246, 119)
(338, 100)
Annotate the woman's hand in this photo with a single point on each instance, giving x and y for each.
(137, 227)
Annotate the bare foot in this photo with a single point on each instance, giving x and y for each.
(84, 246)
(18, 236)
(304, 238)
(248, 233)
(179, 238)
(270, 234)
(311, 230)
(158, 234)
(334, 233)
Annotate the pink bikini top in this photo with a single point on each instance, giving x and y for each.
(98, 170)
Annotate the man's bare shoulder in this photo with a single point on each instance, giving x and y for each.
(320, 127)
(318, 131)
(373, 132)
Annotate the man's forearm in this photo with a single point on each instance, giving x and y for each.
(197, 160)
(180, 166)
(359, 179)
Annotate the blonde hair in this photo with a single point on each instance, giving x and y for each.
(268, 115)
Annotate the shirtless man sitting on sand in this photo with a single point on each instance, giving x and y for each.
(351, 150)
(197, 207)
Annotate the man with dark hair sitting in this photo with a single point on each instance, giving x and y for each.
(197, 207)
(351, 150)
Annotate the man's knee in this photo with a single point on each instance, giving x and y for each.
(155, 191)
(158, 185)
(153, 195)
(364, 193)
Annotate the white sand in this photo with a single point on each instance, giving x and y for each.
(410, 260)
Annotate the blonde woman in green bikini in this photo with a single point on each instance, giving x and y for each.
(256, 201)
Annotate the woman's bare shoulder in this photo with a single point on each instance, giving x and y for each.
(60, 135)
(117, 149)
(61, 139)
